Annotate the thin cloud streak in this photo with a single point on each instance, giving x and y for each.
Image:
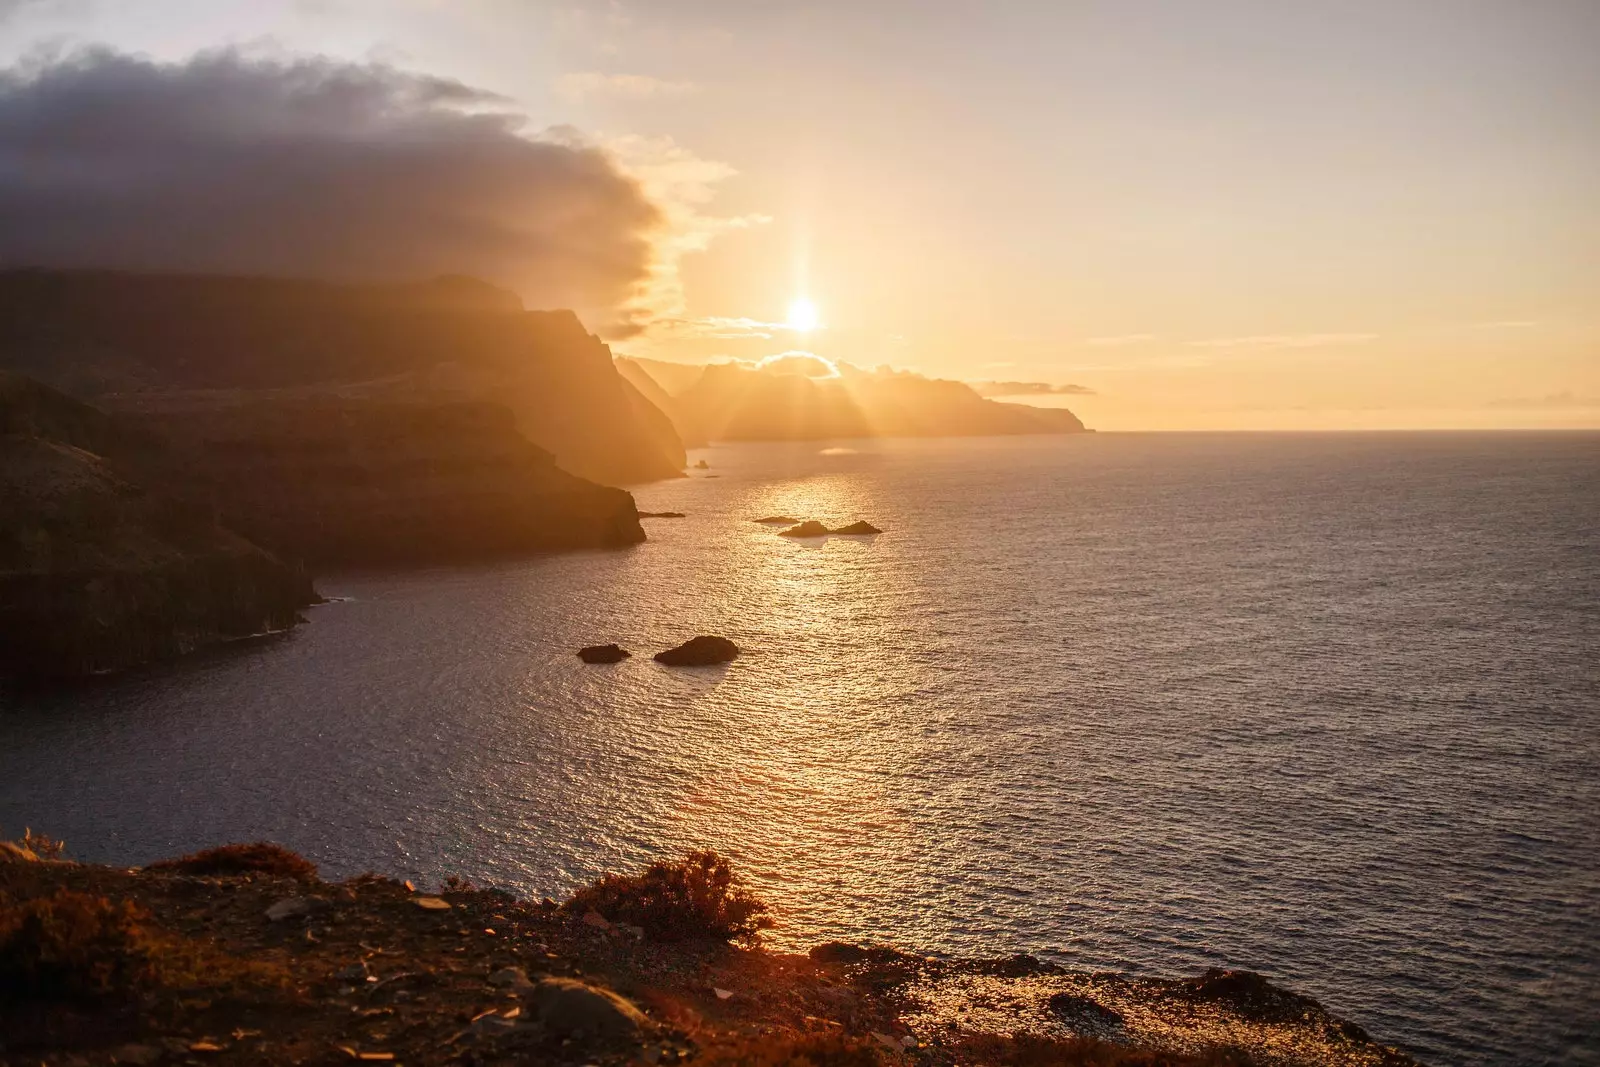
(1276, 341)
(585, 85)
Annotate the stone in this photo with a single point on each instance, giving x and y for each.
(661, 515)
(595, 919)
(700, 651)
(567, 1006)
(431, 903)
(603, 654)
(809, 528)
(291, 908)
(1080, 1010)
(858, 529)
(702, 465)
(779, 520)
(514, 978)
(356, 972)
(14, 853)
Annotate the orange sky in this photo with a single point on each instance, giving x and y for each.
(1237, 214)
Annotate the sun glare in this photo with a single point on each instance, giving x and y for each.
(803, 315)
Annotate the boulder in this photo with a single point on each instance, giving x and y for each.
(700, 651)
(1080, 1011)
(856, 529)
(568, 1007)
(603, 654)
(809, 528)
(702, 465)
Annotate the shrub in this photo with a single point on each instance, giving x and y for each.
(259, 858)
(73, 945)
(46, 848)
(1026, 1050)
(698, 897)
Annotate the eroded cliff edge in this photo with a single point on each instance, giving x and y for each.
(99, 572)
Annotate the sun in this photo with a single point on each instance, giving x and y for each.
(803, 316)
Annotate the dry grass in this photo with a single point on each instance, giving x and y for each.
(260, 858)
(696, 898)
(812, 1050)
(73, 945)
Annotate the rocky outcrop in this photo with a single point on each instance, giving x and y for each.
(357, 481)
(857, 529)
(94, 333)
(603, 654)
(809, 528)
(778, 520)
(99, 572)
(700, 651)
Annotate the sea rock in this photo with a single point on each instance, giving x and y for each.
(13, 853)
(809, 528)
(603, 654)
(778, 520)
(661, 515)
(567, 1006)
(856, 529)
(702, 465)
(702, 651)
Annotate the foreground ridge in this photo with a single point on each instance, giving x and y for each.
(243, 956)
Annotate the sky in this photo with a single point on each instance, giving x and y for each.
(1213, 214)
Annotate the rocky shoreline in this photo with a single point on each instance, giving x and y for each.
(263, 963)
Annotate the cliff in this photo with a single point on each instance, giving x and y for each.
(243, 956)
(733, 401)
(332, 480)
(96, 333)
(96, 572)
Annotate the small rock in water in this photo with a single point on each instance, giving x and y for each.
(700, 651)
(809, 528)
(858, 529)
(661, 515)
(702, 465)
(603, 654)
(779, 520)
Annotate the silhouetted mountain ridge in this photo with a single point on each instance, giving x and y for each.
(94, 333)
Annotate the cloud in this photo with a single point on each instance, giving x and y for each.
(681, 185)
(1290, 340)
(586, 84)
(1120, 340)
(1565, 399)
(309, 166)
(987, 389)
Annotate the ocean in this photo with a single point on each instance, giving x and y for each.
(1322, 706)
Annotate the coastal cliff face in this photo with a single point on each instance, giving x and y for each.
(732, 402)
(97, 333)
(98, 573)
(339, 481)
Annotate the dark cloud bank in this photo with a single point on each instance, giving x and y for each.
(305, 167)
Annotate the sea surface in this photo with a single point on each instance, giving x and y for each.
(1322, 706)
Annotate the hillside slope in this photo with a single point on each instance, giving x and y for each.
(94, 333)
